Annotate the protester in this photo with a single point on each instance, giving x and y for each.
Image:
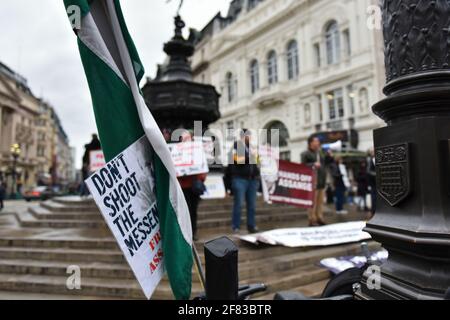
(94, 145)
(371, 179)
(363, 187)
(245, 181)
(329, 193)
(313, 158)
(2, 195)
(193, 187)
(341, 183)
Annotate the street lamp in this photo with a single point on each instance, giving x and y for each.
(15, 152)
(412, 155)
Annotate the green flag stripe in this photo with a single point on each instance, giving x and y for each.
(115, 111)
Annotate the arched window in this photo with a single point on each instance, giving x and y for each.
(254, 75)
(282, 132)
(272, 67)
(363, 100)
(292, 60)
(333, 43)
(231, 87)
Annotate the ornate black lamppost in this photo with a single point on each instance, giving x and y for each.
(412, 153)
(15, 153)
(173, 98)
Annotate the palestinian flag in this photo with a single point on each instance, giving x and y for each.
(114, 70)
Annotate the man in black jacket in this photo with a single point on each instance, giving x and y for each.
(2, 194)
(372, 179)
(245, 180)
(313, 158)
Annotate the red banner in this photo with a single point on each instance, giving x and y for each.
(292, 184)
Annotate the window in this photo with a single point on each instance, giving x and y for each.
(319, 99)
(333, 43)
(292, 60)
(307, 113)
(272, 67)
(317, 55)
(335, 104)
(351, 98)
(231, 87)
(347, 43)
(363, 100)
(254, 76)
(41, 151)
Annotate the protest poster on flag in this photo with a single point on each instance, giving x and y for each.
(124, 190)
(96, 160)
(189, 158)
(292, 183)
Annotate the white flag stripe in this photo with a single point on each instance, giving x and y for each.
(91, 38)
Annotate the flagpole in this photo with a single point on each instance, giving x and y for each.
(199, 268)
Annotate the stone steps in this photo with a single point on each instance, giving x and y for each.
(67, 231)
(272, 265)
(42, 213)
(27, 296)
(102, 287)
(27, 220)
(72, 256)
(227, 204)
(58, 207)
(226, 222)
(285, 280)
(313, 290)
(57, 285)
(218, 214)
(55, 268)
(74, 201)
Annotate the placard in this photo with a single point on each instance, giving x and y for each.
(124, 192)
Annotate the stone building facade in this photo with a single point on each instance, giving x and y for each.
(34, 126)
(301, 66)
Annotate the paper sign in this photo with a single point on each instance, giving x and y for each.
(215, 188)
(124, 192)
(292, 183)
(189, 158)
(306, 237)
(96, 160)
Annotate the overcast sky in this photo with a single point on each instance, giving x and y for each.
(37, 41)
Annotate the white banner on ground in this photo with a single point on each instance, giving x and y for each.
(96, 160)
(215, 188)
(124, 192)
(308, 237)
(189, 158)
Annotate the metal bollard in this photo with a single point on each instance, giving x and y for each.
(221, 260)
